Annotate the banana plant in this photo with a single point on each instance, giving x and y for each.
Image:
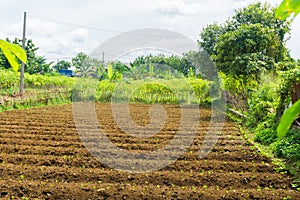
(287, 119)
(11, 52)
(285, 9)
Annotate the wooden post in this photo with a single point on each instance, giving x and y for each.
(23, 64)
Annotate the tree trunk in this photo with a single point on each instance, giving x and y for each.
(295, 92)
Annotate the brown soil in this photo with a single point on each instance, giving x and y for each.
(42, 156)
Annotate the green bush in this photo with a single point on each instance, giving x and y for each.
(9, 82)
(155, 91)
(265, 132)
(105, 90)
(262, 105)
(288, 147)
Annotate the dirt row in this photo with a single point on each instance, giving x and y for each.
(42, 156)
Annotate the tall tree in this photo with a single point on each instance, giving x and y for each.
(81, 64)
(162, 63)
(247, 51)
(260, 13)
(209, 37)
(39, 66)
(87, 66)
(249, 42)
(62, 64)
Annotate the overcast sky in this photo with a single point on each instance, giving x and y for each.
(107, 18)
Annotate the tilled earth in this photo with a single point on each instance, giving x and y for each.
(43, 157)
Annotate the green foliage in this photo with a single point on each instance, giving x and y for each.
(87, 66)
(209, 37)
(250, 42)
(11, 51)
(260, 13)
(289, 78)
(203, 90)
(160, 63)
(81, 65)
(238, 90)
(84, 90)
(79, 60)
(287, 7)
(202, 65)
(40, 66)
(113, 72)
(287, 119)
(289, 146)
(262, 116)
(105, 90)
(110, 71)
(263, 104)
(283, 11)
(247, 51)
(286, 65)
(120, 67)
(155, 91)
(35, 64)
(265, 131)
(9, 82)
(238, 85)
(62, 64)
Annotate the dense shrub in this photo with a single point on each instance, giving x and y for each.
(156, 91)
(289, 146)
(262, 105)
(265, 132)
(9, 82)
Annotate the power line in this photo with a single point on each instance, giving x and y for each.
(100, 29)
(76, 25)
(59, 58)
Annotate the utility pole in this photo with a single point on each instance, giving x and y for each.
(23, 64)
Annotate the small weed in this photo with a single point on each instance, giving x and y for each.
(258, 188)
(22, 177)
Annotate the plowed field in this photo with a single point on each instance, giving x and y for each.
(42, 156)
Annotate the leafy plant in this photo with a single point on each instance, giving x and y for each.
(110, 71)
(288, 147)
(287, 7)
(11, 51)
(283, 11)
(287, 119)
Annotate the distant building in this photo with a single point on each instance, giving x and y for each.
(66, 72)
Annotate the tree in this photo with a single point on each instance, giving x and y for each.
(161, 64)
(209, 37)
(260, 13)
(88, 66)
(202, 64)
(120, 67)
(247, 51)
(62, 64)
(253, 40)
(81, 64)
(39, 66)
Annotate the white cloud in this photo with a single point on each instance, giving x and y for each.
(61, 40)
